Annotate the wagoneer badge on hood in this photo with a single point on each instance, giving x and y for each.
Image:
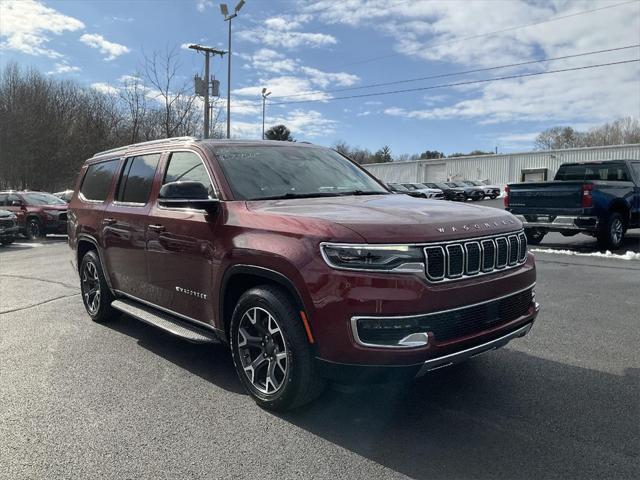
(476, 226)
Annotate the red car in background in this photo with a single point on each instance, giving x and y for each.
(38, 213)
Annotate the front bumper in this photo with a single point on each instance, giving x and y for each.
(9, 232)
(355, 373)
(560, 222)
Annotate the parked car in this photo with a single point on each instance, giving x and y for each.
(491, 191)
(398, 188)
(450, 193)
(471, 192)
(424, 191)
(601, 199)
(298, 259)
(38, 213)
(64, 195)
(8, 227)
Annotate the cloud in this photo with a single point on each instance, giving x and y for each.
(110, 49)
(461, 38)
(27, 26)
(281, 32)
(302, 123)
(202, 5)
(62, 68)
(103, 87)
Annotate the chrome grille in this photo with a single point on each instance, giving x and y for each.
(466, 258)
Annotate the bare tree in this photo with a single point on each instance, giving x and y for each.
(172, 90)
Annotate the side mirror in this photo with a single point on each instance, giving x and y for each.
(187, 195)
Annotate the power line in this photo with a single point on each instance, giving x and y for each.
(469, 82)
(486, 34)
(452, 74)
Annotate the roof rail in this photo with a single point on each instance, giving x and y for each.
(141, 144)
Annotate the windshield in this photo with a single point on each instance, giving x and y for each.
(398, 188)
(257, 172)
(458, 184)
(42, 199)
(473, 183)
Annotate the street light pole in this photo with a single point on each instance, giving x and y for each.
(265, 94)
(227, 18)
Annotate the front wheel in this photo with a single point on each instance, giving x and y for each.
(611, 232)
(34, 229)
(271, 352)
(534, 236)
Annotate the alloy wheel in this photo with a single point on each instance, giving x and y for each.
(91, 287)
(616, 231)
(262, 350)
(34, 229)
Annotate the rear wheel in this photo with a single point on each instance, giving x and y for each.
(7, 241)
(96, 295)
(270, 350)
(534, 236)
(611, 232)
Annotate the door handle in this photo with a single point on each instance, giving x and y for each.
(108, 221)
(156, 228)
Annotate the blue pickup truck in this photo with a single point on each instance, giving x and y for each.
(601, 199)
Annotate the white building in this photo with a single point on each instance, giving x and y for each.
(498, 169)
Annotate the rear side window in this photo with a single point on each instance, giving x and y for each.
(611, 172)
(636, 168)
(187, 167)
(97, 180)
(137, 178)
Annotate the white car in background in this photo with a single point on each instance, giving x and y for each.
(491, 191)
(424, 191)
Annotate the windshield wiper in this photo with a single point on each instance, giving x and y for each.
(296, 195)
(363, 192)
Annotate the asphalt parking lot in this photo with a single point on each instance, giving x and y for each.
(83, 400)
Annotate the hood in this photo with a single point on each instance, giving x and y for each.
(396, 218)
(6, 214)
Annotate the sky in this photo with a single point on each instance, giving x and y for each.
(323, 50)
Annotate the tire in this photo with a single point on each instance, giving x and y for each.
(611, 232)
(266, 314)
(493, 197)
(97, 303)
(7, 241)
(33, 229)
(534, 236)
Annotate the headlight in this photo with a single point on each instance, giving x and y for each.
(393, 258)
(51, 214)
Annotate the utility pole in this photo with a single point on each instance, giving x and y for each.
(227, 18)
(203, 87)
(265, 94)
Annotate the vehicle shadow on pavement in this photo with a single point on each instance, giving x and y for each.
(506, 415)
(211, 362)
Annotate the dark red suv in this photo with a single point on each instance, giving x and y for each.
(298, 259)
(38, 213)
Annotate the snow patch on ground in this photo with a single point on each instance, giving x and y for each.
(608, 254)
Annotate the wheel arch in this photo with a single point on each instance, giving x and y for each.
(621, 207)
(238, 279)
(86, 243)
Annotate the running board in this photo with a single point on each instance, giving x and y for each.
(165, 321)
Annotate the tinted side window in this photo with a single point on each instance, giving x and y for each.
(3, 200)
(97, 180)
(187, 167)
(636, 169)
(137, 178)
